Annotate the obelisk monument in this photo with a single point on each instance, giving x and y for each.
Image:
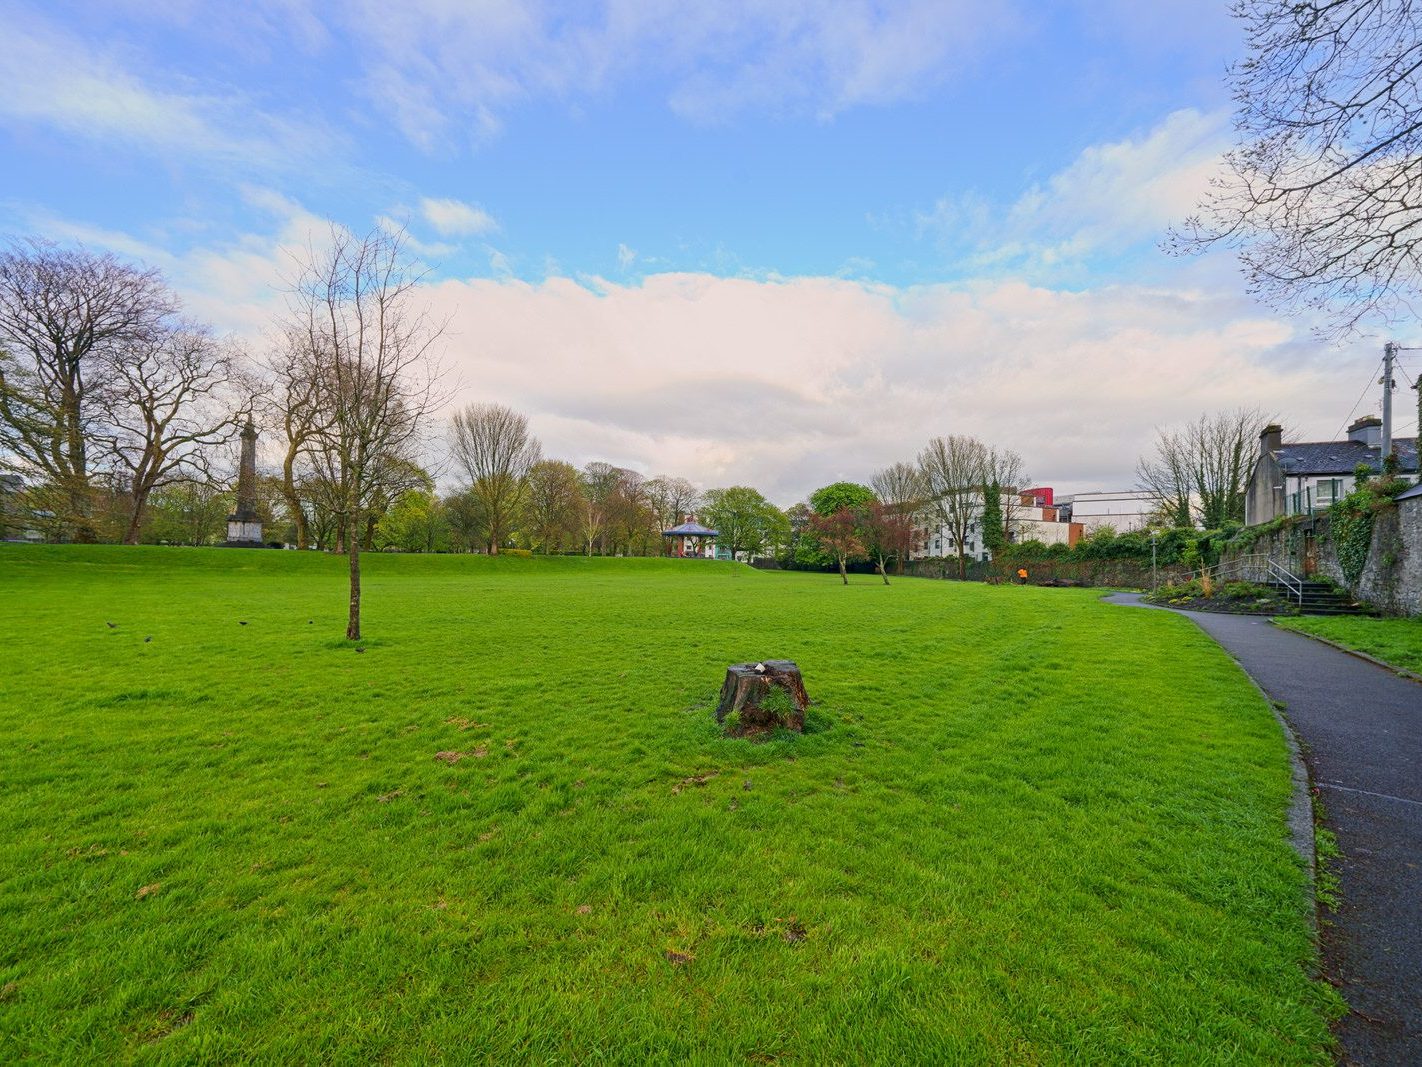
(244, 528)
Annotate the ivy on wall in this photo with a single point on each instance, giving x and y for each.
(1351, 526)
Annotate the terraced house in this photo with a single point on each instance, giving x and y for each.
(1306, 477)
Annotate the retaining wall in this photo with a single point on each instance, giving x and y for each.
(1391, 579)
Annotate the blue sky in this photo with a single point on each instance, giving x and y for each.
(855, 210)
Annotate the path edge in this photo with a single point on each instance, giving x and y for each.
(1299, 816)
(1401, 672)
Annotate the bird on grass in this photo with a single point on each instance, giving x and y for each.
(147, 639)
(111, 625)
(360, 650)
(241, 622)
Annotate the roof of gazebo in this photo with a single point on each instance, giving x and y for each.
(690, 529)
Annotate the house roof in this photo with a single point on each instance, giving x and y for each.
(690, 529)
(1339, 457)
(1410, 494)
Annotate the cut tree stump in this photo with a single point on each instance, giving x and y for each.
(750, 694)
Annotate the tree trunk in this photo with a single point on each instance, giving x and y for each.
(293, 502)
(882, 573)
(746, 691)
(962, 566)
(843, 574)
(353, 622)
(79, 504)
(135, 522)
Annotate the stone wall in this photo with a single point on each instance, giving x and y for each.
(1392, 577)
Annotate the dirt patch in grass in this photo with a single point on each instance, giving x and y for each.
(697, 780)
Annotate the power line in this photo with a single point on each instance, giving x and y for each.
(1370, 383)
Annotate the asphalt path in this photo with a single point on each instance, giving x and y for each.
(1360, 727)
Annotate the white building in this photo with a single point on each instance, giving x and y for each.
(1307, 477)
(1027, 520)
(1124, 511)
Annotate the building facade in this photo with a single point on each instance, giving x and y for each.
(1029, 515)
(1125, 511)
(1306, 477)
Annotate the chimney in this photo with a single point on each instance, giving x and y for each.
(1271, 439)
(1367, 431)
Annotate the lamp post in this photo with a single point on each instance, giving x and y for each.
(1154, 583)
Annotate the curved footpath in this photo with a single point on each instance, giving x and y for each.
(1361, 728)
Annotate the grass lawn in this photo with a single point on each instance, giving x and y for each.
(1394, 641)
(1023, 826)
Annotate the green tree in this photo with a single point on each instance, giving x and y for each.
(830, 498)
(994, 537)
(745, 520)
(415, 523)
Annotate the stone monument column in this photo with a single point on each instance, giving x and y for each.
(244, 529)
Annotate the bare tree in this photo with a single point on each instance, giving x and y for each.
(1006, 475)
(1323, 193)
(372, 349)
(1166, 475)
(954, 470)
(900, 490)
(491, 443)
(554, 506)
(899, 485)
(167, 401)
(599, 482)
(670, 500)
(291, 405)
(66, 315)
(1202, 472)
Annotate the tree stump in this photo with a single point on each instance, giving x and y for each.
(758, 697)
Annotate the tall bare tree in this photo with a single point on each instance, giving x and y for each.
(1006, 475)
(954, 470)
(1166, 474)
(66, 316)
(355, 303)
(291, 404)
(900, 489)
(670, 501)
(168, 399)
(493, 447)
(1323, 194)
(899, 485)
(599, 482)
(1201, 472)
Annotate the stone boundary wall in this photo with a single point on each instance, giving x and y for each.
(1391, 579)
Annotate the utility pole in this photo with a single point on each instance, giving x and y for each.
(1389, 354)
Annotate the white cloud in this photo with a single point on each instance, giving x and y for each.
(455, 218)
(793, 383)
(53, 78)
(626, 256)
(1110, 198)
(444, 70)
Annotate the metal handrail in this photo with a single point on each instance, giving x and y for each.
(1258, 561)
(1288, 580)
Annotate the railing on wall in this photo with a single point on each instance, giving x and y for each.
(1253, 567)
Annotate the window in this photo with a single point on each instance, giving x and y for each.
(1327, 491)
